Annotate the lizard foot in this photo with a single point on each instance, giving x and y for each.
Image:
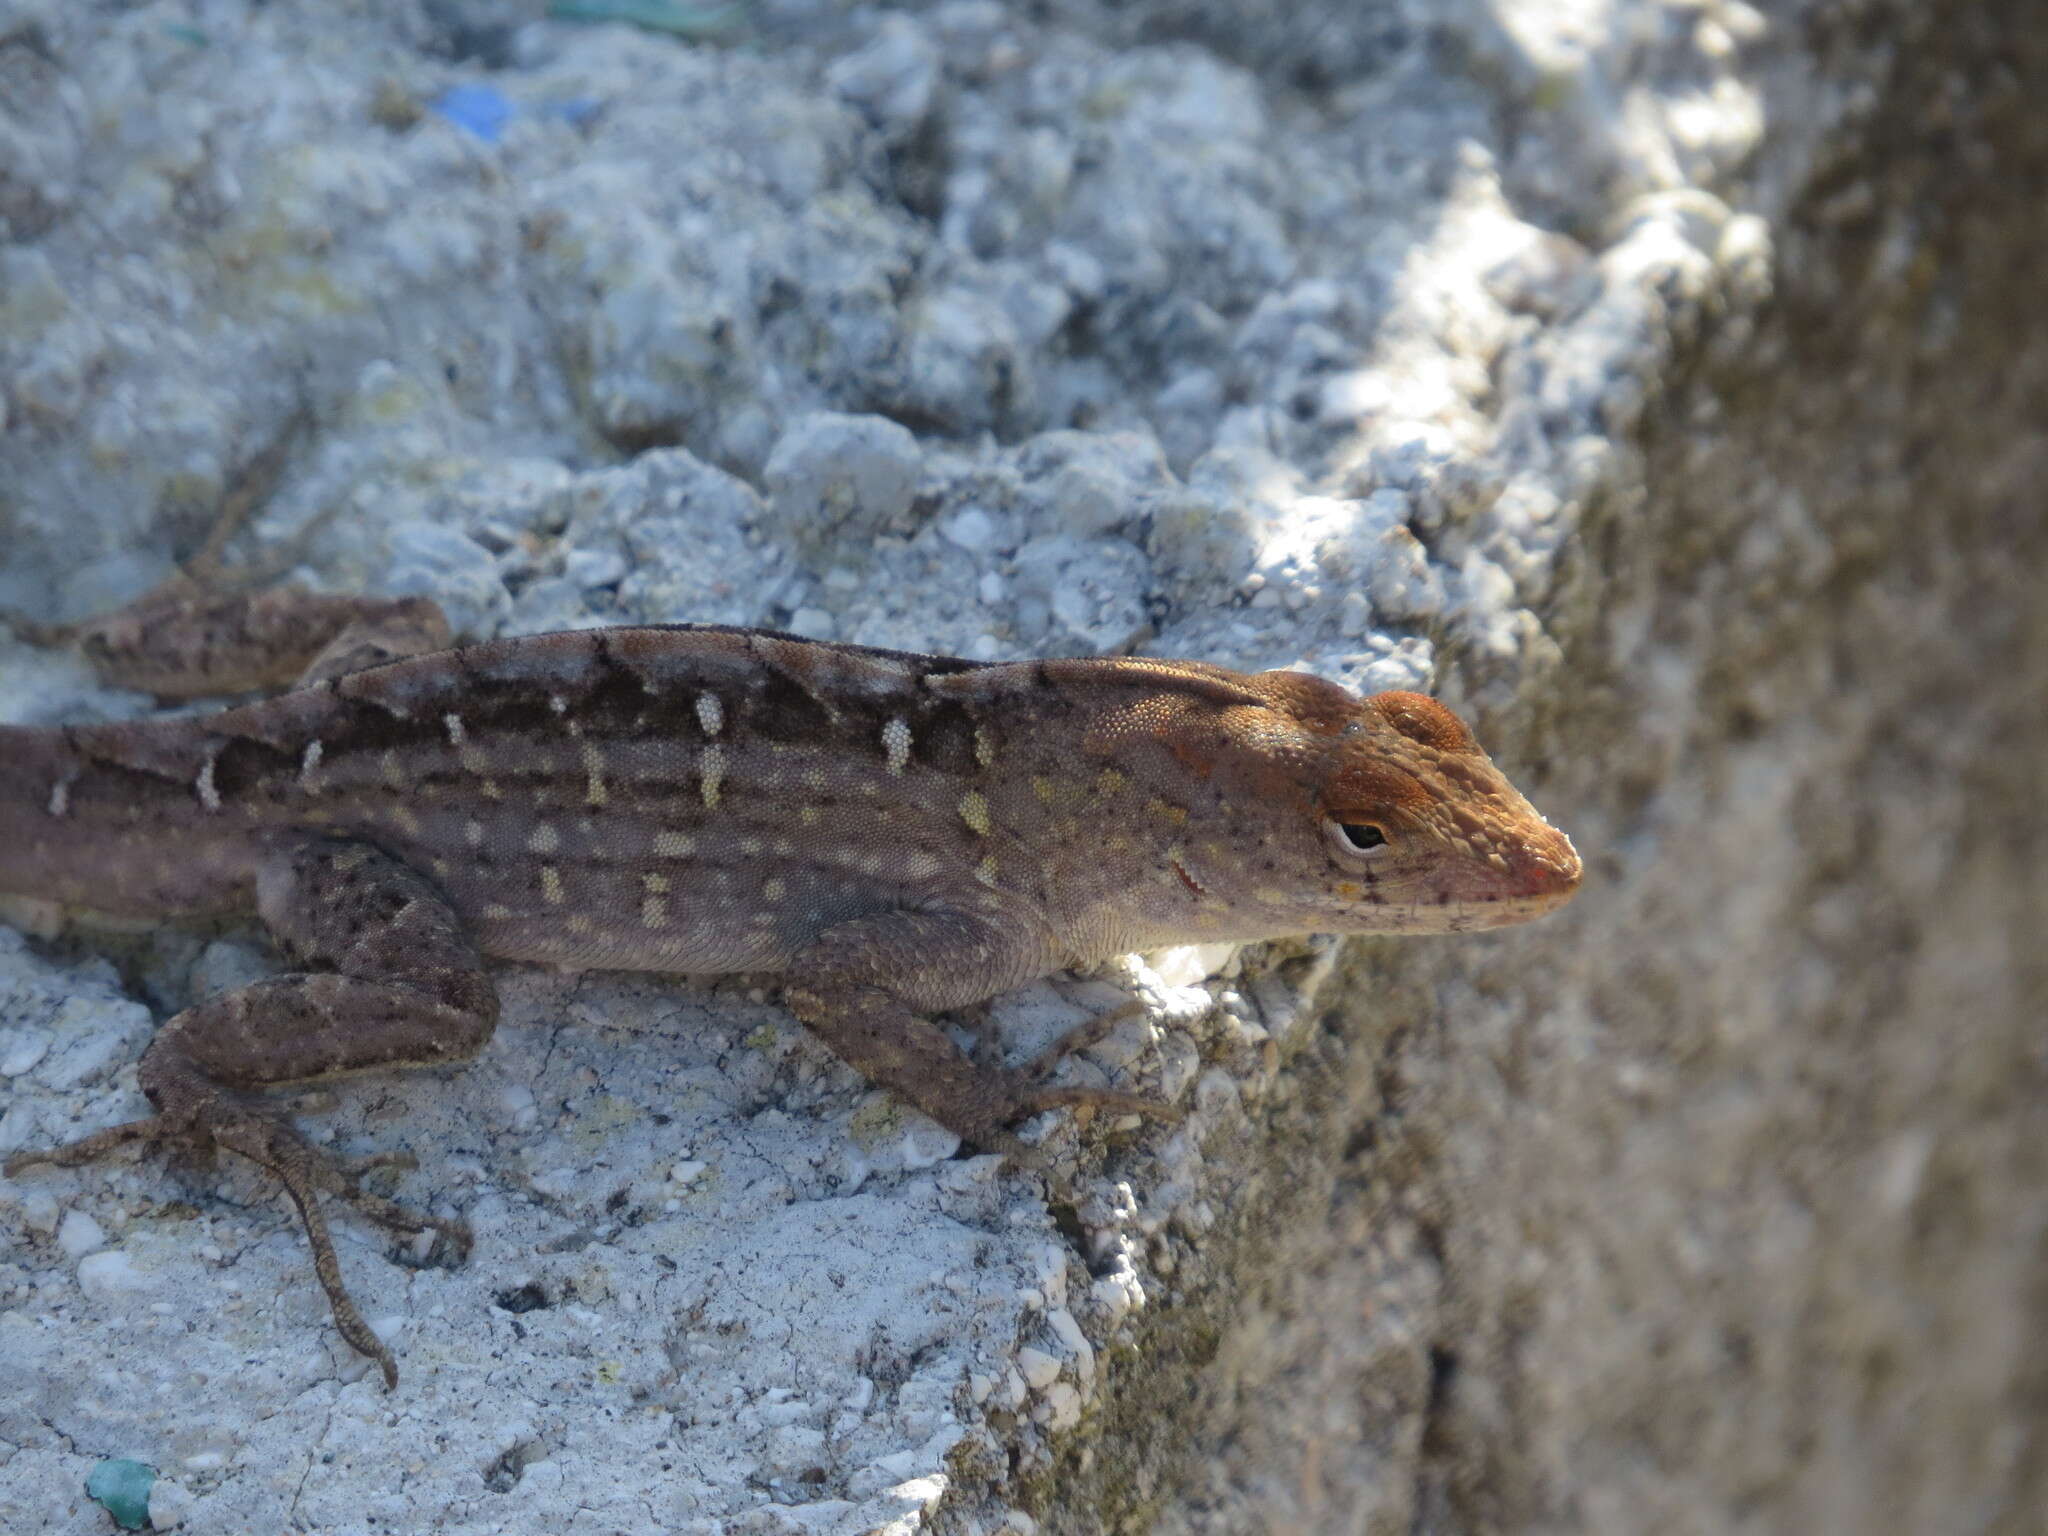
(1084, 1034)
(1036, 1099)
(1038, 1094)
(1030, 1101)
(304, 1170)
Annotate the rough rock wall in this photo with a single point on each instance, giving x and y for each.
(1736, 1217)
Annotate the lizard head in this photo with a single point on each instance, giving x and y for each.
(1381, 815)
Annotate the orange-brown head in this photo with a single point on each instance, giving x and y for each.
(1327, 813)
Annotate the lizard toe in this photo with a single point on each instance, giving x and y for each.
(1101, 1098)
(89, 1149)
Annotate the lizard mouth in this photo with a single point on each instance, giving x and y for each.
(1539, 878)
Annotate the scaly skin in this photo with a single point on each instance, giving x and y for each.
(893, 834)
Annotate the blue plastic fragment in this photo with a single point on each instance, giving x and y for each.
(121, 1488)
(481, 109)
(654, 15)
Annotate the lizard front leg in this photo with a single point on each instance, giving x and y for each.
(862, 987)
(387, 977)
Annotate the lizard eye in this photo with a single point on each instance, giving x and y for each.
(1357, 836)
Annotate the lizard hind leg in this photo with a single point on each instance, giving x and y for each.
(392, 980)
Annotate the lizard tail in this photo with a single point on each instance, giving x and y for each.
(77, 830)
(39, 841)
(32, 763)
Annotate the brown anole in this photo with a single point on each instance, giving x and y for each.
(894, 835)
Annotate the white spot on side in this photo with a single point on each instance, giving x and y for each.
(473, 833)
(984, 746)
(309, 763)
(772, 890)
(896, 742)
(653, 912)
(551, 884)
(497, 912)
(985, 871)
(543, 838)
(710, 713)
(60, 795)
(711, 770)
(453, 722)
(974, 811)
(674, 845)
(558, 704)
(593, 766)
(208, 795)
(657, 885)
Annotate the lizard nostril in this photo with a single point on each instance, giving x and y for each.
(1551, 868)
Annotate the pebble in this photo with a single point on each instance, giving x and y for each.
(39, 1210)
(970, 529)
(1088, 483)
(78, 1235)
(591, 568)
(1040, 1370)
(171, 1504)
(832, 476)
(110, 1275)
(431, 560)
(1406, 587)
(1062, 1409)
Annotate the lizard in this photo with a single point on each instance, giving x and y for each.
(894, 835)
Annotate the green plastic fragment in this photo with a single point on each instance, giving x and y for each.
(654, 15)
(121, 1488)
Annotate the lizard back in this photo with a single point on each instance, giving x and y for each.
(663, 797)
